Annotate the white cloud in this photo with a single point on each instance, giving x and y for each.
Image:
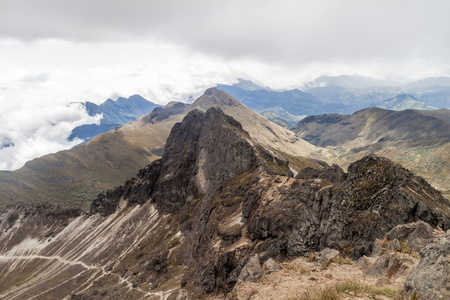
(30, 130)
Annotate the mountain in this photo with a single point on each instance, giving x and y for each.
(403, 102)
(343, 94)
(348, 81)
(115, 113)
(285, 107)
(248, 85)
(420, 140)
(294, 101)
(360, 93)
(74, 177)
(281, 117)
(430, 81)
(191, 224)
(437, 96)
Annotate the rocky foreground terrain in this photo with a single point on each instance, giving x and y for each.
(198, 223)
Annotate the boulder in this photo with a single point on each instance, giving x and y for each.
(270, 266)
(363, 263)
(326, 255)
(420, 237)
(401, 232)
(430, 279)
(389, 266)
(252, 269)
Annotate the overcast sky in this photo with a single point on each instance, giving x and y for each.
(56, 52)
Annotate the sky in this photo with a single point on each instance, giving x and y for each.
(55, 54)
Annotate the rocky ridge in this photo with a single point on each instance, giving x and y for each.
(189, 223)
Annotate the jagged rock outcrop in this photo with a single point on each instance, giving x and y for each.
(193, 219)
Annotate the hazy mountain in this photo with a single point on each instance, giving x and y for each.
(198, 221)
(73, 177)
(420, 140)
(115, 113)
(432, 91)
(281, 117)
(248, 85)
(347, 81)
(429, 81)
(338, 94)
(285, 107)
(437, 97)
(403, 102)
(294, 101)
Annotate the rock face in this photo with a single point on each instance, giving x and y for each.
(196, 219)
(431, 278)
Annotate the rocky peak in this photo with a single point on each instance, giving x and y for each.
(201, 153)
(215, 97)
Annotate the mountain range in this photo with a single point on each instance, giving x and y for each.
(114, 113)
(340, 94)
(198, 221)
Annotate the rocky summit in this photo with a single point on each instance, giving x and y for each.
(200, 220)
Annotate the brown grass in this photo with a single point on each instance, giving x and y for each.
(405, 247)
(311, 256)
(302, 270)
(339, 290)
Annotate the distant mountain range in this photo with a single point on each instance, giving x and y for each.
(115, 113)
(348, 81)
(340, 94)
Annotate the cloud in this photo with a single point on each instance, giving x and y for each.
(39, 109)
(29, 131)
(280, 32)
